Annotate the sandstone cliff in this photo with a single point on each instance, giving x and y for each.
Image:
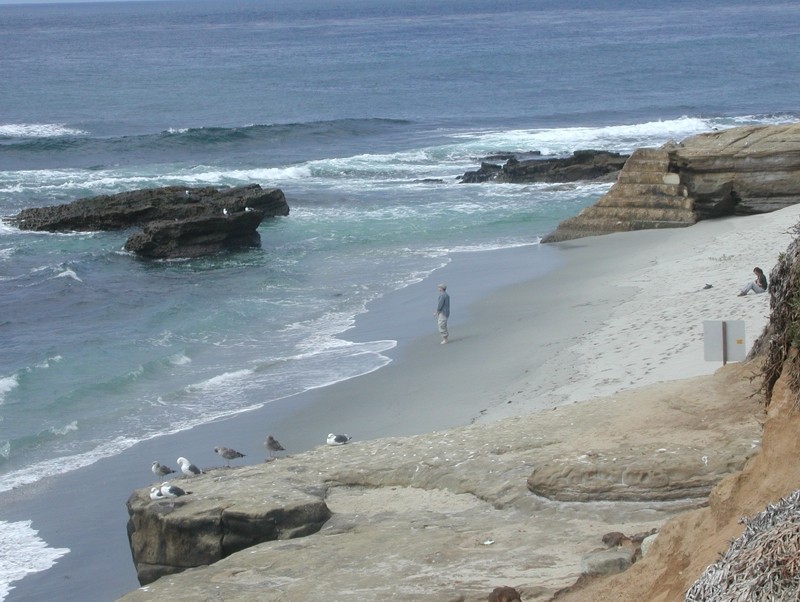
(739, 171)
(449, 515)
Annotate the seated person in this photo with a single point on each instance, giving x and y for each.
(759, 285)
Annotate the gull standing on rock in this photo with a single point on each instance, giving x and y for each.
(188, 468)
(337, 439)
(228, 453)
(160, 470)
(273, 446)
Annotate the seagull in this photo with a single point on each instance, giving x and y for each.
(188, 468)
(155, 493)
(168, 490)
(160, 470)
(273, 446)
(224, 211)
(228, 453)
(338, 439)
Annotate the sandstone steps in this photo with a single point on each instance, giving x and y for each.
(738, 171)
(647, 195)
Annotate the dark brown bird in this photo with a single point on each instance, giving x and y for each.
(504, 594)
(273, 446)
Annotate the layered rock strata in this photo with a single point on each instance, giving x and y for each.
(738, 171)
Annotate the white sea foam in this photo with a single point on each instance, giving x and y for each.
(5, 254)
(23, 552)
(68, 428)
(221, 381)
(560, 141)
(49, 361)
(375, 171)
(68, 273)
(179, 359)
(490, 247)
(777, 119)
(225, 386)
(293, 172)
(63, 464)
(38, 130)
(7, 384)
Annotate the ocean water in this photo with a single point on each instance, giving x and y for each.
(364, 113)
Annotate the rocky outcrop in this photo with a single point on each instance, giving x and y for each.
(177, 221)
(668, 473)
(582, 165)
(218, 517)
(739, 171)
(197, 237)
(446, 515)
(646, 196)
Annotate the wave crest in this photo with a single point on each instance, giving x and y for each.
(38, 130)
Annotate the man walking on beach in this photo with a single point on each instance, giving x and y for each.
(443, 311)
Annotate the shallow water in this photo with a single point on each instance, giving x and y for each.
(364, 115)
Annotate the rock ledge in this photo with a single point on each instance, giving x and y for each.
(739, 171)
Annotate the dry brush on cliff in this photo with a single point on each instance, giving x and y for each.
(781, 340)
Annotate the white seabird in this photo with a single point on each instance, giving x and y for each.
(338, 439)
(273, 445)
(188, 468)
(169, 490)
(155, 493)
(160, 470)
(228, 453)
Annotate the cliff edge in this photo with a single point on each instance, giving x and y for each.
(450, 515)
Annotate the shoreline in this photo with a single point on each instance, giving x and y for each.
(94, 496)
(601, 320)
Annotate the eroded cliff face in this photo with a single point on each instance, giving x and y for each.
(692, 541)
(739, 171)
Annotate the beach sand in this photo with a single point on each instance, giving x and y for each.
(609, 314)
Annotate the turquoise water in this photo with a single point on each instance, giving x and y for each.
(363, 114)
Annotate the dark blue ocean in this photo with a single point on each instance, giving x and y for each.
(363, 113)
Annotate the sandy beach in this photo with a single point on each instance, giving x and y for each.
(616, 312)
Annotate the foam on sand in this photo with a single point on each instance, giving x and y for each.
(31, 554)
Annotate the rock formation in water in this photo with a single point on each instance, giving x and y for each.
(177, 221)
(582, 165)
(738, 171)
